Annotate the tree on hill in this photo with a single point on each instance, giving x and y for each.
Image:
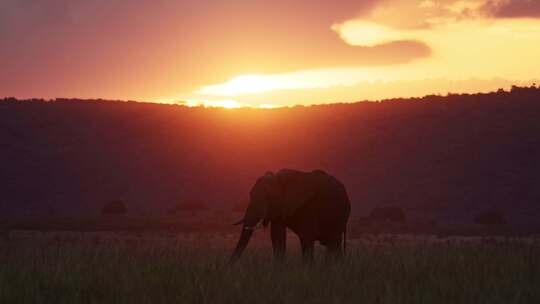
(117, 207)
(412, 151)
(491, 217)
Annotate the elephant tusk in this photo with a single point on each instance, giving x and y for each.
(258, 226)
(239, 222)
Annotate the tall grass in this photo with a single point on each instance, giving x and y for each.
(131, 271)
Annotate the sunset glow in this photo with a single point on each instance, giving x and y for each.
(259, 54)
(247, 84)
(463, 49)
(256, 84)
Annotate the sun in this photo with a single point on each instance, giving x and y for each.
(227, 104)
(215, 103)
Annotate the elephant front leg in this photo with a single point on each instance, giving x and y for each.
(279, 240)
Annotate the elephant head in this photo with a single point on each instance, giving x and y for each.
(274, 197)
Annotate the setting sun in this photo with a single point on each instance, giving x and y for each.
(228, 104)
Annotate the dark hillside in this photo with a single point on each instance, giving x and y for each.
(440, 158)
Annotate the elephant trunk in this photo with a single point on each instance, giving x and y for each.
(242, 243)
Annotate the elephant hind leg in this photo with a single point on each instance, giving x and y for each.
(308, 246)
(279, 240)
(334, 249)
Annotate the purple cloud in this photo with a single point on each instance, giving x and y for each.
(513, 8)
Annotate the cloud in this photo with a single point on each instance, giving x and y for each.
(412, 20)
(464, 43)
(512, 8)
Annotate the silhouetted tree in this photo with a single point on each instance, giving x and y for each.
(491, 217)
(114, 208)
(51, 210)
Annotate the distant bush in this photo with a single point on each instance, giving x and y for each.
(51, 210)
(114, 208)
(489, 218)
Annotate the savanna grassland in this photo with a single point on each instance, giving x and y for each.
(138, 267)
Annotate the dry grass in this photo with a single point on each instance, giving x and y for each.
(165, 268)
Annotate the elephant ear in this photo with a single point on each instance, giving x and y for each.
(298, 189)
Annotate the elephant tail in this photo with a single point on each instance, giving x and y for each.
(345, 240)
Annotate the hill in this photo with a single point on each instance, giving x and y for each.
(440, 158)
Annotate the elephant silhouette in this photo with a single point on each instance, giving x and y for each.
(314, 205)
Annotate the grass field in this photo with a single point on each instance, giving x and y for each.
(164, 268)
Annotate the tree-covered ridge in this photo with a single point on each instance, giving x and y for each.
(438, 157)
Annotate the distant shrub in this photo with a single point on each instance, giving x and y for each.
(51, 210)
(114, 208)
(490, 218)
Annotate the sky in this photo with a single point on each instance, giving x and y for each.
(265, 53)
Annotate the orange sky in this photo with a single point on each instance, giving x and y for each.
(265, 53)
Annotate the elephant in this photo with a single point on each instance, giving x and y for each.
(314, 205)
